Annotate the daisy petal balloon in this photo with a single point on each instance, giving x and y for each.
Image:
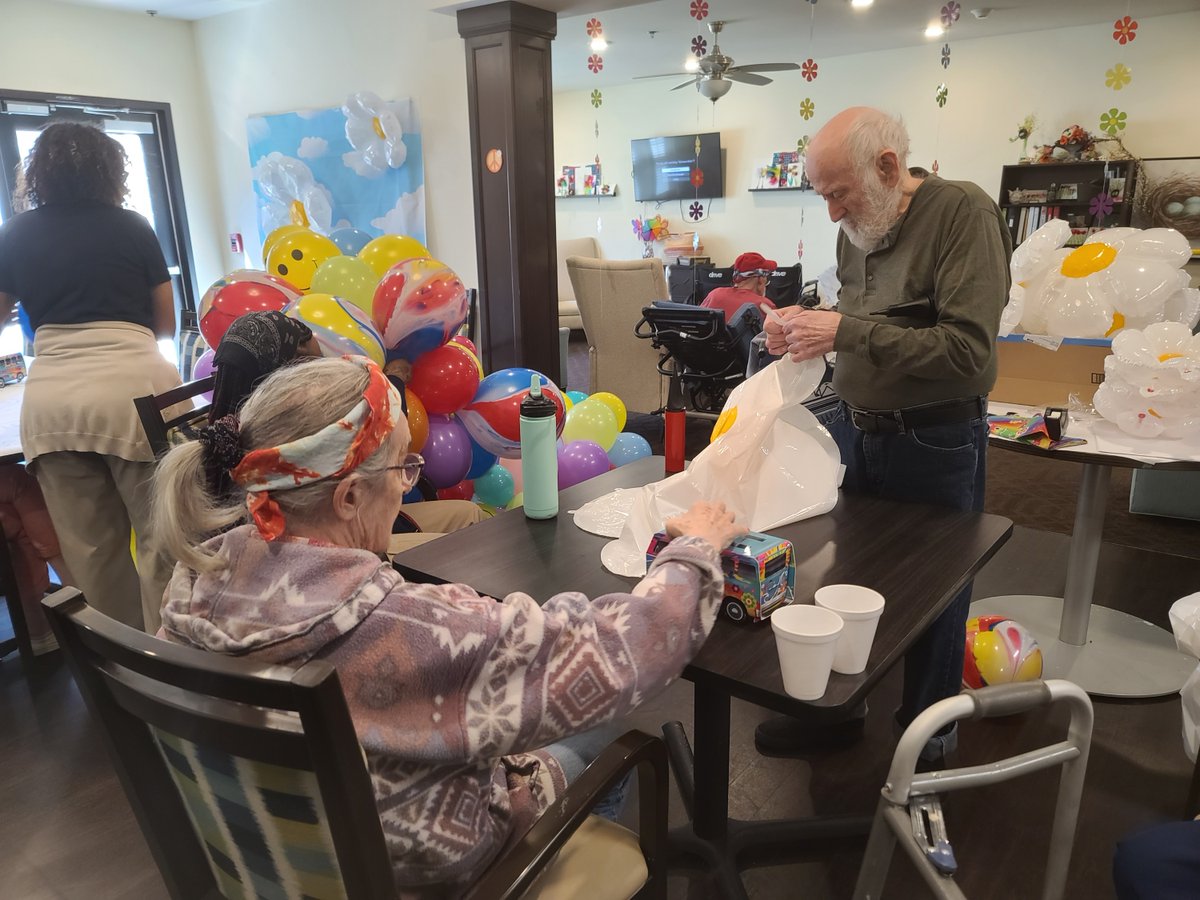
(374, 131)
(1152, 382)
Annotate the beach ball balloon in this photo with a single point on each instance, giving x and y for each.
(350, 240)
(418, 306)
(297, 255)
(238, 293)
(999, 651)
(445, 379)
(340, 327)
(494, 417)
(384, 252)
(348, 278)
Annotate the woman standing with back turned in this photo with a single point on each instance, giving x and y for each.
(92, 279)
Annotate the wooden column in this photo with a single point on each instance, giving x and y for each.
(511, 107)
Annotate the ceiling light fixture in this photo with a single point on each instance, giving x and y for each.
(714, 88)
(692, 64)
(861, 4)
(934, 30)
(599, 44)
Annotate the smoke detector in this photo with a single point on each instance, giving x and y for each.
(982, 13)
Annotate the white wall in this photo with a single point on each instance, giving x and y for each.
(994, 83)
(311, 54)
(57, 48)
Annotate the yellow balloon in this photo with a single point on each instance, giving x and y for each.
(613, 402)
(275, 235)
(133, 546)
(296, 256)
(591, 420)
(568, 401)
(340, 327)
(384, 252)
(349, 278)
(517, 501)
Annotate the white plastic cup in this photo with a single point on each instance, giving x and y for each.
(859, 608)
(805, 637)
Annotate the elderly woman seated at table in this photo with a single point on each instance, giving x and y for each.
(467, 708)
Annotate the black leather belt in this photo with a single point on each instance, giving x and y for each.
(899, 421)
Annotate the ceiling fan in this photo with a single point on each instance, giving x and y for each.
(715, 72)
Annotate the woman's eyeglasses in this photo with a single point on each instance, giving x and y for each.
(410, 468)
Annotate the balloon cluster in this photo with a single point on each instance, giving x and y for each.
(1152, 382)
(1118, 278)
(386, 299)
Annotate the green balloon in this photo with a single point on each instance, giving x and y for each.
(347, 277)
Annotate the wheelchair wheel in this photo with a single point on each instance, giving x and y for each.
(734, 610)
(706, 398)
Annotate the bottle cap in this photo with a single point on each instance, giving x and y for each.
(537, 405)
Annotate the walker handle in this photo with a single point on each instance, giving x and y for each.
(1009, 699)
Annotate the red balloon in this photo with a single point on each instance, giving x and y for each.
(464, 490)
(235, 300)
(445, 379)
(465, 342)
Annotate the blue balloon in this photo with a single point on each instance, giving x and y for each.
(481, 461)
(26, 325)
(350, 240)
(495, 487)
(577, 396)
(627, 448)
(413, 496)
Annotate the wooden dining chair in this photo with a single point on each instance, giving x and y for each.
(248, 780)
(162, 431)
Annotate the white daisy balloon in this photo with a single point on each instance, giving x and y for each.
(1152, 382)
(376, 133)
(1119, 278)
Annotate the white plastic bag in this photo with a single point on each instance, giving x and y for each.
(828, 287)
(774, 465)
(1185, 623)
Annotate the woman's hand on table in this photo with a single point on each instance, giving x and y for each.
(710, 521)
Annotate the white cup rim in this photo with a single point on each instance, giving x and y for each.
(864, 602)
(820, 624)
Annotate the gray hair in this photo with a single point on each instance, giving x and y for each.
(873, 132)
(293, 402)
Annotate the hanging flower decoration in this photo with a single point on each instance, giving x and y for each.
(1101, 205)
(942, 94)
(945, 56)
(699, 45)
(934, 168)
(807, 109)
(696, 211)
(802, 145)
(697, 177)
(595, 63)
(699, 10)
(809, 69)
(597, 99)
(950, 13)
(1112, 121)
(652, 228)
(800, 249)
(1125, 30)
(1118, 76)
(594, 28)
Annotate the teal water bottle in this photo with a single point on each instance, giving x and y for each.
(539, 453)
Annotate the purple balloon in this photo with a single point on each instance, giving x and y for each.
(203, 368)
(447, 451)
(580, 460)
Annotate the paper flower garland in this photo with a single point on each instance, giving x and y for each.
(696, 211)
(945, 56)
(699, 45)
(950, 13)
(594, 28)
(653, 228)
(1101, 205)
(595, 63)
(809, 69)
(941, 94)
(597, 99)
(1151, 382)
(807, 109)
(697, 177)
(802, 145)
(1118, 76)
(1112, 121)
(699, 10)
(1119, 278)
(1125, 30)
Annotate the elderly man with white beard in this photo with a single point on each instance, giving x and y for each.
(923, 265)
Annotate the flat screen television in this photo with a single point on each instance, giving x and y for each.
(662, 167)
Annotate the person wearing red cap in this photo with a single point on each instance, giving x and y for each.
(750, 274)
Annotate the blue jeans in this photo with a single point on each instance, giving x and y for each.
(1159, 863)
(576, 753)
(943, 465)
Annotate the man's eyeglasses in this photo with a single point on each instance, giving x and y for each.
(410, 468)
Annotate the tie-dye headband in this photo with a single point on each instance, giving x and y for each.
(335, 450)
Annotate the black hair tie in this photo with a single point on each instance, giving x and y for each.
(222, 442)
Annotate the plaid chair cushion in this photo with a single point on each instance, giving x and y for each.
(262, 826)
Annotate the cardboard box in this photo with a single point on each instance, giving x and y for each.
(1035, 376)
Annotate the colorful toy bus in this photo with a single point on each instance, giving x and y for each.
(760, 574)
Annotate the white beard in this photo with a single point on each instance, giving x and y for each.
(882, 210)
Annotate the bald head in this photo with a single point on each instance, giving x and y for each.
(860, 135)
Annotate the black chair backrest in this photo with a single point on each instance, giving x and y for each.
(697, 337)
(174, 717)
(150, 412)
(709, 277)
(783, 287)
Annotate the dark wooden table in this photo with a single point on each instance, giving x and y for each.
(11, 396)
(918, 557)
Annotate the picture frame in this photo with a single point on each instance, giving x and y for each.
(1068, 192)
(1165, 196)
(1116, 189)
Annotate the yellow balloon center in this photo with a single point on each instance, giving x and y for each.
(1117, 325)
(297, 213)
(724, 423)
(378, 126)
(1164, 357)
(1088, 260)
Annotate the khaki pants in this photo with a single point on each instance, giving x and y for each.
(435, 518)
(94, 500)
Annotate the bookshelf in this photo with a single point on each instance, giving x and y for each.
(1033, 194)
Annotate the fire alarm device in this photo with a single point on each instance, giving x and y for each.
(235, 242)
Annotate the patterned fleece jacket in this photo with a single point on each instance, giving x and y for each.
(451, 693)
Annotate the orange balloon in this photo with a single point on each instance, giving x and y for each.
(418, 422)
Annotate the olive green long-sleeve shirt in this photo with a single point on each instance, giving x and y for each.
(921, 312)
